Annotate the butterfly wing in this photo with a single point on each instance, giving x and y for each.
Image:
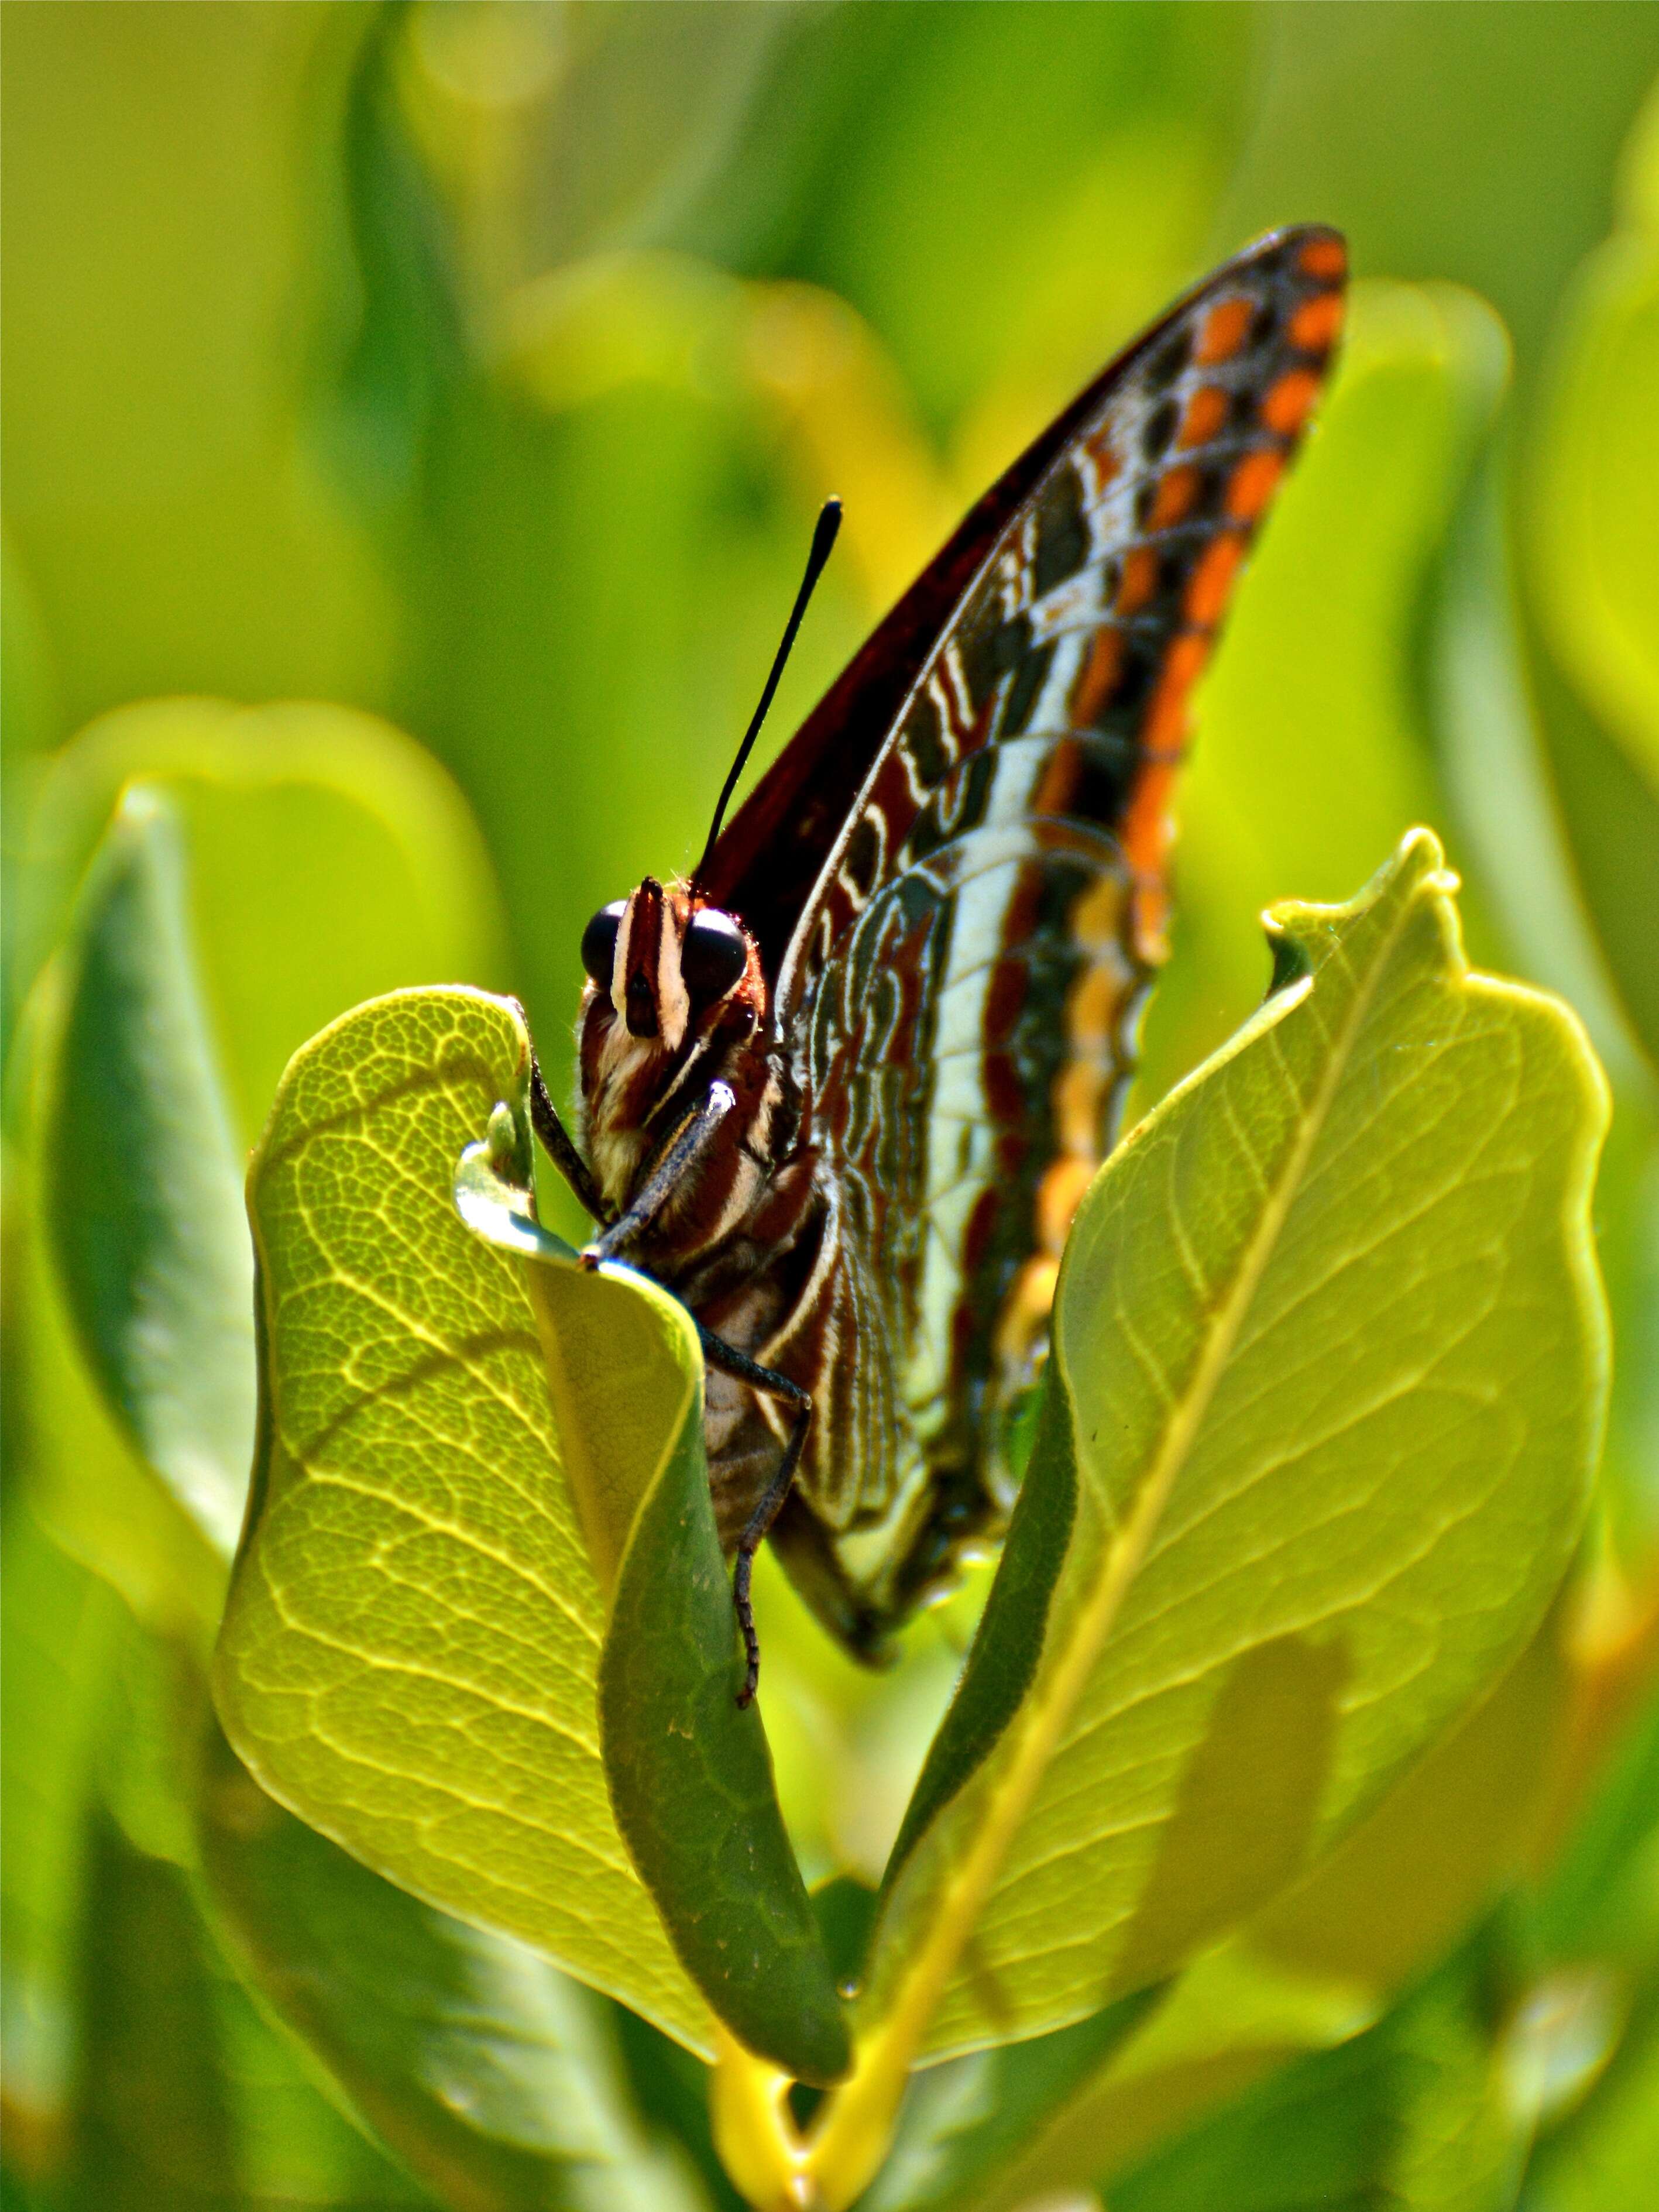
(1048, 539)
(957, 873)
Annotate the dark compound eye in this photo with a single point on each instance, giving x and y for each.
(713, 956)
(599, 942)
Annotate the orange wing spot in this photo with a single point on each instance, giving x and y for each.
(1059, 1195)
(1096, 920)
(1099, 678)
(1224, 330)
(1139, 583)
(1287, 404)
(1325, 258)
(1146, 824)
(1204, 415)
(1210, 584)
(1176, 494)
(1025, 1315)
(1315, 324)
(1161, 734)
(1077, 1100)
(1254, 482)
(1092, 1009)
(1151, 914)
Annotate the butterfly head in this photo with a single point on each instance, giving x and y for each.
(669, 981)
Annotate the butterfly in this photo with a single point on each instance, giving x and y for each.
(843, 1087)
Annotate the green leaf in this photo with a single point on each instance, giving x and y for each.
(154, 2123)
(410, 1653)
(1228, 2020)
(1609, 809)
(1593, 542)
(324, 857)
(720, 1866)
(1595, 536)
(964, 2122)
(1325, 1959)
(93, 1714)
(81, 1469)
(625, 1377)
(1409, 1880)
(1495, 747)
(330, 859)
(1330, 1345)
(1414, 2115)
(296, 2150)
(58, 1625)
(141, 1176)
(1603, 2159)
(29, 723)
(186, 2096)
(1600, 1893)
(489, 2073)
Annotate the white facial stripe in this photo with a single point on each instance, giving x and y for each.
(619, 960)
(673, 1000)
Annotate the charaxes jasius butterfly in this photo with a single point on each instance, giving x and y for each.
(843, 1087)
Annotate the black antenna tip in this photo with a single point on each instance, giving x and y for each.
(824, 537)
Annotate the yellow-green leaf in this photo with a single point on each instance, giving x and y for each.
(410, 1653)
(330, 859)
(491, 2073)
(1330, 1367)
(139, 1165)
(689, 1770)
(1595, 522)
(1594, 542)
(218, 883)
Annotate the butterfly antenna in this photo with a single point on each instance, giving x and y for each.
(824, 537)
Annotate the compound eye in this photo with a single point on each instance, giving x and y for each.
(715, 955)
(599, 942)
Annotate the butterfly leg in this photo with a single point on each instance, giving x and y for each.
(561, 1146)
(678, 1158)
(731, 1361)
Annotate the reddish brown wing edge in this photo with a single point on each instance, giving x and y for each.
(770, 855)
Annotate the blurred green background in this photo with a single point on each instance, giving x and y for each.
(479, 368)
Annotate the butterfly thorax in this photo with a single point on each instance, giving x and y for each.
(676, 1004)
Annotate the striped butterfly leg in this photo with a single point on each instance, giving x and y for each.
(730, 1361)
(561, 1146)
(678, 1159)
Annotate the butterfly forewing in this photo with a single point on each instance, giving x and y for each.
(957, 876)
